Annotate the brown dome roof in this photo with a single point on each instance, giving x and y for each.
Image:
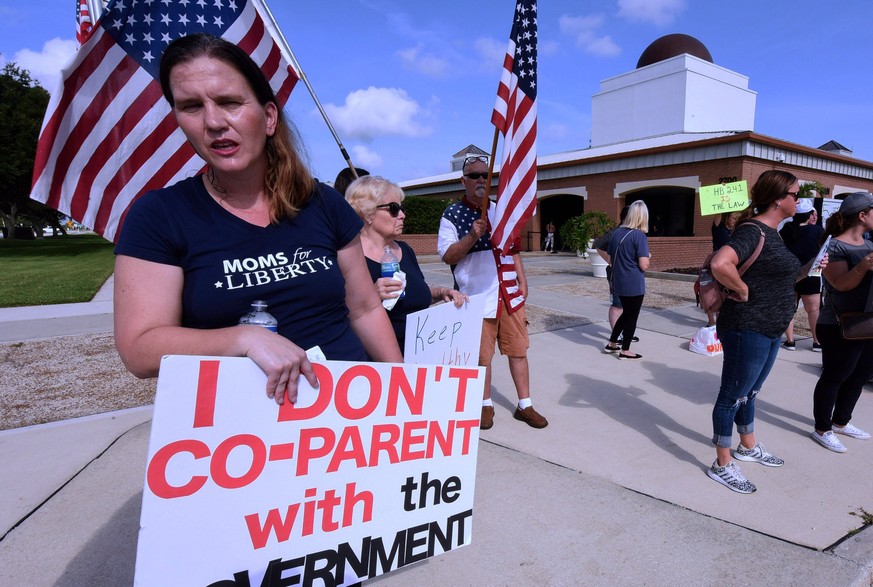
(672, 45)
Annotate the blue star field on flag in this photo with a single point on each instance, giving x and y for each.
(144, 36)
(525, 63)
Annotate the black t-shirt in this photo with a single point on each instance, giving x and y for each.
(770, 279)
(228, 263)
(417, 291)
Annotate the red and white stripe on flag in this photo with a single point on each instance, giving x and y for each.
(108, 135)
(510, 290)
(515, 116)
(83, 21)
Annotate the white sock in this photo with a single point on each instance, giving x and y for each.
(487, 402)
(524, 403)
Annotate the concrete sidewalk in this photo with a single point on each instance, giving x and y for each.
(613, 491)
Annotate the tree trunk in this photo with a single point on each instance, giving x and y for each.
(9, 220)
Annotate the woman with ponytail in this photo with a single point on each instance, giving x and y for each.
(846, 364)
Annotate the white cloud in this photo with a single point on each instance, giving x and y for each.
(659, 12)
(427, 64)
(491, 51)
(45, 66)
(584, 29)
(378, 112)
(556, 131)
(547, 48)
(364, 157)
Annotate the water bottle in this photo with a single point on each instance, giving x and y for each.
(260, 317)
(390, 265)
(705, 277)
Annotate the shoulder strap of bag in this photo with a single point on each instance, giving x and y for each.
(745, 266)
(629, 230)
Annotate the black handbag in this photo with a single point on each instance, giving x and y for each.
(853, 325)
(856, 325)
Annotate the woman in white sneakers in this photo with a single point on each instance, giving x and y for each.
(846, 365)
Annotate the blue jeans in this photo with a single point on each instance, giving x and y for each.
(748, 358)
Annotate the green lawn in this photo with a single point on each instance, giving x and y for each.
(53, 270)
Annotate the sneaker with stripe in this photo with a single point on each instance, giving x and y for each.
(757, 454)
(731, 477)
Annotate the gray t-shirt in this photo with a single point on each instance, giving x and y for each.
(771, 280)
(855, 299)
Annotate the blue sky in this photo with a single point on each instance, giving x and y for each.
(409, 83)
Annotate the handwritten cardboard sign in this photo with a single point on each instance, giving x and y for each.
(724, 197)
(371, 472)
(445, 335)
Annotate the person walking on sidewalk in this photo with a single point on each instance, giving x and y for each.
(464, 243)
(846, 364)
(629, 255)
(750, 327)
(549, 245)
(601, 245)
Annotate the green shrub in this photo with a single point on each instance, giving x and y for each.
(423, 214)
(578, 230)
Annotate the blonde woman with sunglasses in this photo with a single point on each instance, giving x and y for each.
(379, 203)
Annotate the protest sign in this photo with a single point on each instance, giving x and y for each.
(445, 335)
(828, 207)
(369, 473)
(723, 197)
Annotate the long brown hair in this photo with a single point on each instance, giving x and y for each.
(772, 185)
(838, 223)
(287, 180)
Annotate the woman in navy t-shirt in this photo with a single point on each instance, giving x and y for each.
(629, 254)
(379, 203)
(192, 258)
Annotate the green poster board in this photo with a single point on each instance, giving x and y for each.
(723, 197)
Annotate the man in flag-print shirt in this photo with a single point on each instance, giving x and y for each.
(464, 243)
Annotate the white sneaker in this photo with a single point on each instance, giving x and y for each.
(757, 454)
(851, 430)
(828, 440)
(731, 477)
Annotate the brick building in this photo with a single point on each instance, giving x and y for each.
(659, 133)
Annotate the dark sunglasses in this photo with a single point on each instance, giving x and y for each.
(476, 175)
(394, 208)
(481, 158)
(794, 195)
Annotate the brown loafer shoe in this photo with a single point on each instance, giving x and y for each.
(530, 417)
(487, 420)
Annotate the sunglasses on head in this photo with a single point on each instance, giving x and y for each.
(476, 175)
(394, 208)
(481, 158)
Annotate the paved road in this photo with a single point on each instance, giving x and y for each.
(614, 491)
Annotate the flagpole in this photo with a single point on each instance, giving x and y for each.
(289, 55)
(484, 205)
(95, 11)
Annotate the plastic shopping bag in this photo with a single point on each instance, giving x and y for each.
(705, 342)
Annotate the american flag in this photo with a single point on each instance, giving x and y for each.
(108, 135)
(515, 116)
(83, 21)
